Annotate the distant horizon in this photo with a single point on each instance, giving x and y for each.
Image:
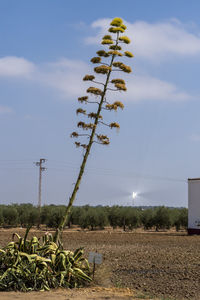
(99, 205)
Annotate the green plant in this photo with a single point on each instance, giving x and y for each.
(162, 218)
(93, 217)
(10, 216)
(27, 214)
(27, 265)
(106, 67)
(180, 218)
(148, 218)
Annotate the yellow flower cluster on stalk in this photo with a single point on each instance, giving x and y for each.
(95, 91)
(102, 69)
(88, 77)
(115, 105)
(80, 111)
(105, 69)
(95, 60)
(113, 41)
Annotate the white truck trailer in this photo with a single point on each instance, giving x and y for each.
(193, 205)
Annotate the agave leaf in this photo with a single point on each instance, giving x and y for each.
(46, 288)
(42, 259)
(5, 274)
(53, 259)
(67, 253)
(33, 255)
(81, 274)
(78, 254)
(77, 251)
(28, 256)
(25, 236)
(62, 277)
(34, 240)
(20, 244)
(15, 234)
(10, 245)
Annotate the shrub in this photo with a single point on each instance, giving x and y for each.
(10, 216)
(27, 265)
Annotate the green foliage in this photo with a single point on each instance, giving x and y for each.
(180, 218)
(165, 218)
(10, 216)
(55, 216)
(183, 217)
(93, 217)
(27, 265)
(51, 215)
(124, 217)
(1, 217)
(113, 216)
(27, 214)
(96, 217)
(128, 218)
(162, 219)
(75, 215)
(147, 218)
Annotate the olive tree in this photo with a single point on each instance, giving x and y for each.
(103, 79)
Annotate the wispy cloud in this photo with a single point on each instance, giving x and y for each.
(5, 110)
(150, 88)
(195, 137)
(155, 41)
(12, 66)
(66, 76)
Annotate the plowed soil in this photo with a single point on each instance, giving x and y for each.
(136, 265)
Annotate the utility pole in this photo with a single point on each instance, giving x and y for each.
(41, 169)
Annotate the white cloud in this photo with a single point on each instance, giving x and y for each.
(195, 137)
(155, 41)
(12, 66)
(5, 110)
(66, 76)
(150, 41)
(150, 88)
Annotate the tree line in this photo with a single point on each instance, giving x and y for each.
(89, 217)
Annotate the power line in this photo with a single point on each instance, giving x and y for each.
(110, 172)
(66, 166)
(16, 160)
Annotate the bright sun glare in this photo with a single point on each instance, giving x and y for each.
(134, 195)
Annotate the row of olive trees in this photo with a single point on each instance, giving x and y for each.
(18, 215)
(98, 217)
(165, 218)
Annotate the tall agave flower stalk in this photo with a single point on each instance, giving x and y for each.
(106, 63)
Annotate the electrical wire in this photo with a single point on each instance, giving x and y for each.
(70, 166)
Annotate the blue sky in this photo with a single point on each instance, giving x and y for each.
(45, 50)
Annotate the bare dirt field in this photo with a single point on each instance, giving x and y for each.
(136, 265)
